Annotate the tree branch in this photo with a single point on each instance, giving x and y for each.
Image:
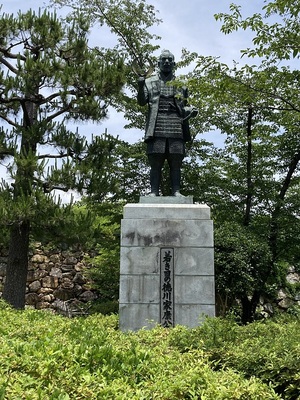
(8, 65)
(53, 156)
(9, 121)
(13, 56)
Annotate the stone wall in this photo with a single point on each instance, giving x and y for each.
(55, 281)
(285, 299)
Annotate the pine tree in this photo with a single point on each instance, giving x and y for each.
(48, 76)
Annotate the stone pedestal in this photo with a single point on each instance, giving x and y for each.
(167, 263)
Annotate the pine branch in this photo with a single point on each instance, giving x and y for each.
(8, 65)
(9, 121)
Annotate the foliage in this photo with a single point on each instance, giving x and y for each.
(240, 265)
(266, 349)
(127, 23)
(47, 356)
(276, 29)
(251, 181)
(113, 170)
(104, 252)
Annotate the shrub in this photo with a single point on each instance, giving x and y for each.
(47, 356)
(268, 350)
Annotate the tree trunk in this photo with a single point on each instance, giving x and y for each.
(247, 216)
(274, 228)
(249, 307)
(17, 266)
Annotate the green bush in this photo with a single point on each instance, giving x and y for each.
(267, 349)
(46, 356)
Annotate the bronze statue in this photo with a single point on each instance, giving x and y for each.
(167, 127)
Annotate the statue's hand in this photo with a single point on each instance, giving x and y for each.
(190, 112)
(194, 112)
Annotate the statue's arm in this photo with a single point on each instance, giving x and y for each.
(142, 96)
(189, 111)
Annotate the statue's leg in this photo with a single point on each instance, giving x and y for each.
(175, 163)
(156, 162)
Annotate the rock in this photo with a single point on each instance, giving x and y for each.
(286, 303)
(88, 296)
(281, 294)
(31, 265)
(55, 258)
(61, 307)
(63, 294)
(55, 272)
(79, 278)
(71, 260)
(34, 286)
(293, 278)
(68, 275)
(48, 298)
(45, 290)
(66, 268)
(50, 281)
(32, 299)
(42, 304)
(268, 308)
(38, 258)
(36, 274)
(79, 267)
(67, 284)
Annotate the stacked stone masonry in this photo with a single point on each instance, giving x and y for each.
(55, 281)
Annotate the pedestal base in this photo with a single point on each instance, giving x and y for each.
(167, 265)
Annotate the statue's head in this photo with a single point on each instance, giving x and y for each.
(166, 61)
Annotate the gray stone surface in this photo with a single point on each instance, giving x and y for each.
(138, 316)
(140, 260)
(194, 261)
(194, 289)
(139, 289)
(166, 211)
(166, 200)
(147, 231)
(166, 232)
(192, 315)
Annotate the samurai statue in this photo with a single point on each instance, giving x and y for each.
(167, 126)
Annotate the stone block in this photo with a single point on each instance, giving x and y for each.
(138, 316)
(139, 289)
(140, 260)
(167, 265)
(194, 261)
(194, 289)
(168, 233)
(166, 211)
(35, 286)
(166, 200)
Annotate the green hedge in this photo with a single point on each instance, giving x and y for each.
(268, 350)
(46, 356)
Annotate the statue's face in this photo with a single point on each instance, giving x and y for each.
(166, 62)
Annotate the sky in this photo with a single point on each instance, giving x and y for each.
(190, 25)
